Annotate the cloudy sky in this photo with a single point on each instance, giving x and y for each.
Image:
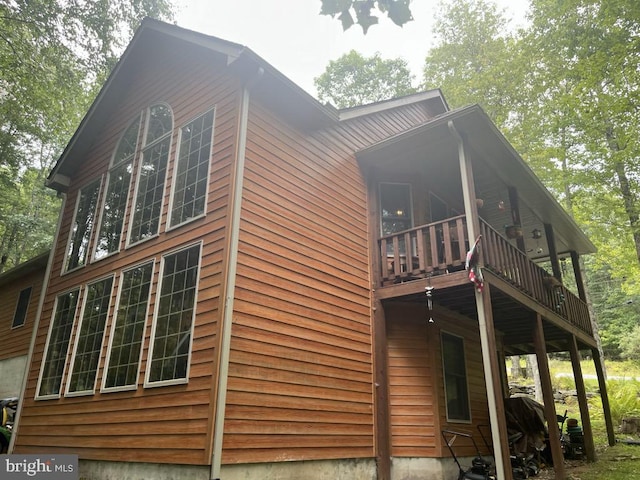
(293, 37)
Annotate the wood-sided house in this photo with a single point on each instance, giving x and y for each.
(238, 287)
(20, 290)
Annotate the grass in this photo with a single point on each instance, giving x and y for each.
(622, 461)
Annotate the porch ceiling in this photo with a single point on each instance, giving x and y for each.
(514, 321)
(432, 148)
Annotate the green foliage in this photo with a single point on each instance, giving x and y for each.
(355, 80)
(471, 55)
(630, 344)
(397, 10)
(53, 56)
(624, 400)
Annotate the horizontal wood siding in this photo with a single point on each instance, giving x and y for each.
(15, 341)
(417, 397)
(300, 378)
(411, 382)
(169, 424)
(301, 350)
(468, 330)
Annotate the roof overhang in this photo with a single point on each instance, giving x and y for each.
(153, 38)
(485, 140)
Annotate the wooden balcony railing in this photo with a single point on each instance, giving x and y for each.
(435, 249)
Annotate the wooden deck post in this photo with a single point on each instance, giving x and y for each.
(549, 404)
(602, 384)
(381, 391)
(484, 308)
(589, 448)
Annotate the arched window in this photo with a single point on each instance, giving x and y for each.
(151, 174)
(117, 192)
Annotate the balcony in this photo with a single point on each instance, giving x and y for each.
(434, 250)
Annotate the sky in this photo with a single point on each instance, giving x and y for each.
(293, 37)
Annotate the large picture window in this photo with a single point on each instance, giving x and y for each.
(151, 174)
(175, 311)
(455, 378)
(192, 170)
(84, 219)
(128, 330)
(20, 314)
(89, 339)
(58, 344)
(117, 192)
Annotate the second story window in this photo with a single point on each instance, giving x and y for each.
(117, 192)
(192, 170)
(84, 219)
(20, 314)
(395, 207)
(151, 174)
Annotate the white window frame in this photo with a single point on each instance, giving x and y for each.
(112, 166)
(170, 225)
(176, 381)
(466, 377)
(26, 308)
(138, 171)
(91, 235)
(120, 388)
(46, 348)
(76, 340)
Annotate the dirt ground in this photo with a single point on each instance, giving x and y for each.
(570, 466)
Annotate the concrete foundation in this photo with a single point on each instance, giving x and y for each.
(11, 374)
(426, 468)
(352, 469)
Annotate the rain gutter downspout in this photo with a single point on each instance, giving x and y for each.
(36, 325)
(230, 280)
(472, 233)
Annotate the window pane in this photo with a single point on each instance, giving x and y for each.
(126, 344)
(192, 170)
(176, 308)
(146, 215)
(455, 378)
(115, 203)
(82, 226)
(127, 146)
(395, 207)
(89, 340)
(160, 123)
(58, 343)
(21, 308)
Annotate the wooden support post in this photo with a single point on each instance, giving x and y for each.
(497, 415)
(549, 404)
(383, 430)
(488, 346)
(577, 272)
(553, 252)
(602, 384)
(589, 447)
(515, 216)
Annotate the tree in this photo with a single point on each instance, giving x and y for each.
(473, 50)
(587, 69)
(53, 56)
(397, 10)
(355, 80)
